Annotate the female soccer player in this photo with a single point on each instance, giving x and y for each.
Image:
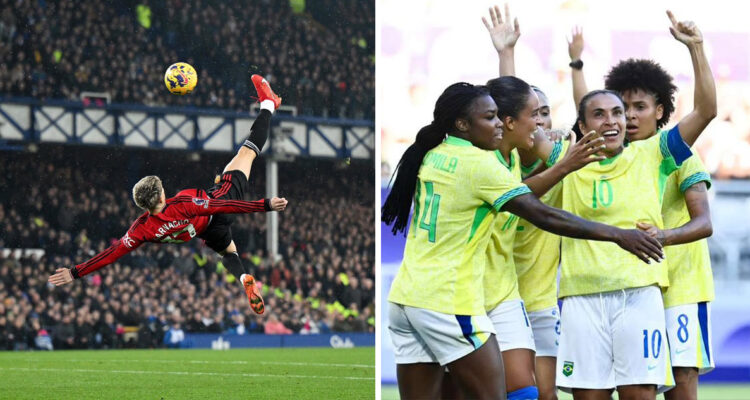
(195, 212)
(648, 92)
(618, 298)
(536, 253)
(437, 315)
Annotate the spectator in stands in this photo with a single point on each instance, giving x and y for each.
(275, 327)
(49, 51)
(108, 301)
(175, 336)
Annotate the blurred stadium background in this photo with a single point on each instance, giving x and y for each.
(448, 43)
(84, 114)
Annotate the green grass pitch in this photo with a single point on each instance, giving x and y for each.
(301, 373)
(705, 392)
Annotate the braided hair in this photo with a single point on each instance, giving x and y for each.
(452, 104)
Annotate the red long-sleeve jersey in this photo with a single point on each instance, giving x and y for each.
(184, 217)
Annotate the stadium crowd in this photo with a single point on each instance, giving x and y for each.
(320, 60)
(72, 202)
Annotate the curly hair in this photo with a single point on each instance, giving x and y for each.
(646, 75)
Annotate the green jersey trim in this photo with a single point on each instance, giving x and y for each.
(530, 168)
(479, 216)
(500, 202)
(612, 159)
(457, 141)
(695, 178)
(555, 154)
(502, 160)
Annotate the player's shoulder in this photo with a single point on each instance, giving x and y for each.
(190, 193)
(139, 222)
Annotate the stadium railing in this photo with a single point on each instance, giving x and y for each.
(196, 129)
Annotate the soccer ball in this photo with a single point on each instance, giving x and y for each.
(180, 78)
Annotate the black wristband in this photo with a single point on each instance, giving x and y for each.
(267, 204)
(576, 64)
(74, 272)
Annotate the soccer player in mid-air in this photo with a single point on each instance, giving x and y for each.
(196, 212)
(648, 92)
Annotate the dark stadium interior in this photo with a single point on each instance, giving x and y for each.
(72, 201)
(321, 61)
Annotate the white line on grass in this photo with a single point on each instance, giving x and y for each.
(120, 371)
(304, 364)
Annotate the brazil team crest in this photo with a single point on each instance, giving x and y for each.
(567, 368)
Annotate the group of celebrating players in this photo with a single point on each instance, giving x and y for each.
(502, 202)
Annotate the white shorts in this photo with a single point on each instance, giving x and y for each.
(613, 339)
(689, 330)
(512, 326)
(546, 326)
(425, 336)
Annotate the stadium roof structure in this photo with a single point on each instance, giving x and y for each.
(24, 120)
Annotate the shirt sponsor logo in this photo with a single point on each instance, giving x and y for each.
(128, 241)
(200, 202)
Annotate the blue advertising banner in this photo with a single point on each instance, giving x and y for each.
(225, 342)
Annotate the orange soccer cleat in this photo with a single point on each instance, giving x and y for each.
(253, 294)
(264, 90)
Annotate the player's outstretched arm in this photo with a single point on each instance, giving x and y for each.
(62, 276)
(564, 223)
(198, 206)
(699, 227)
(579, 155)
(278, 204)
(124, 246)
(575, 50)
(504, 37)
(704, 97)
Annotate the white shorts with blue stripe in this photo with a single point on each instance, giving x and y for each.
(425, 336)
(512, 326)
(689, 330)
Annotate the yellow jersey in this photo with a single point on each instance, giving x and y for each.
(500, 280)
(619, 191)
(459, 190)
(690, 276)
(537, 252)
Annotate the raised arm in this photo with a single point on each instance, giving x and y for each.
(704, 98)
(575, 49)
(699, 227)
(564, 223)
(504, 37)
(197, 206)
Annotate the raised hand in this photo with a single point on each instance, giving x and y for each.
(583, 152)
(278, 204)
(575, 45)
(685, 31)
(61, 277)
(503, 34)
(641, 244)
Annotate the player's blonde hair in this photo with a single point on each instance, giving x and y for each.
(147, 192)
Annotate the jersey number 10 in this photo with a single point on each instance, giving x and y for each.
(602, 195)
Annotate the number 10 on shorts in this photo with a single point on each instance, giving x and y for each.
(655, 346)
